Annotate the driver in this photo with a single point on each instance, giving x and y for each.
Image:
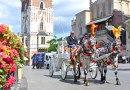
(72, 40)
(85, 37)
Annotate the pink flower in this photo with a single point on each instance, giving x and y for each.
(2, 54)
(4, 42)
(10, 81)
(18, 42)
(8, 60)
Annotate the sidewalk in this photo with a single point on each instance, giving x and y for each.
(22, 84)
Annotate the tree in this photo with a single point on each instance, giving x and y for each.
(53, 44)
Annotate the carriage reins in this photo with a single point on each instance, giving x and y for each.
(85, 52)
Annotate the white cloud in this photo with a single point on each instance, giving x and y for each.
(12, 3)
(64, 12)
(4, 11)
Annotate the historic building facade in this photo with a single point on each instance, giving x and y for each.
(79, 24)
(105, 14)
(36, 26)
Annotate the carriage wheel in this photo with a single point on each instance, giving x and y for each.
(93, 71)
(51, 69)
(64, 70)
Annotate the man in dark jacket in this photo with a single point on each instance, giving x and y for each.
(72, 40)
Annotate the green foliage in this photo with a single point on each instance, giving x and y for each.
(53, 44)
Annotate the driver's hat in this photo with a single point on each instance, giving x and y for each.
(86, 35)
(72, 32)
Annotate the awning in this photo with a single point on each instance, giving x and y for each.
(100, 20)
(123, 32)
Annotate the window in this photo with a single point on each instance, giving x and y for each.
(109, 7)
(42, 40)
(26, 41)
(97, 12)
(42, 5)
(80, 31)
(25, 29)
(25, 8)
(104, 12)
(41, 26)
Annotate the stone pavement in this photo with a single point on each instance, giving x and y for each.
(39, 79)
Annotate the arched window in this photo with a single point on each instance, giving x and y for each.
(25, 7)
(42, 5)
(41, 26)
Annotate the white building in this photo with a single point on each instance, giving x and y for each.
(36, 25)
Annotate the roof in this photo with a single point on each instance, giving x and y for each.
(42, 33)
(123, 32)
(82, 12)
(100, 20)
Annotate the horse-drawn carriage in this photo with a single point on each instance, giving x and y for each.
(88, 56)
(61, 61)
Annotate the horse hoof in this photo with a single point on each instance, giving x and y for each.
(87, 84)
(118, 83)
(75, 80)
(78, 77)
(104, 81)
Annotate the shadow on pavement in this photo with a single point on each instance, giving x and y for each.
(123, 69)
(70, 79)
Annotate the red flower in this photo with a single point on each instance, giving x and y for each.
(112, 49)
(4, 42)
(18, 42)
(13, 68)
(8, 60)
(10, 81)
(121, 48)
(88, 46)
(15, 35)
(96, 46)
(93, 60)
(108, 63)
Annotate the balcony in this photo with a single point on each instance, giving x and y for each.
(102, 32)
(73, 22)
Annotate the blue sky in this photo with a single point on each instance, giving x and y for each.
(64, 12)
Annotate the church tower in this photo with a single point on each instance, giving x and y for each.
(36, 26)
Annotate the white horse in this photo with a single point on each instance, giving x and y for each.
(85, 55)
(111, 59)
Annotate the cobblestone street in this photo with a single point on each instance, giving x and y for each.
(39, 79)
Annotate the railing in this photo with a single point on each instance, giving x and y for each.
(102, 32)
